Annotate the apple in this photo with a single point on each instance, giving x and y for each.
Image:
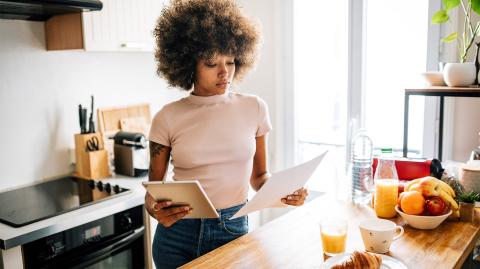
(429, 186)
(401, 187)
(435, 205)
(445, 211)
(416, 187)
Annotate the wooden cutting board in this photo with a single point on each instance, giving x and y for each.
(134, 118)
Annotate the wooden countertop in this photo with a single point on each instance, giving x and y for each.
(293, 241)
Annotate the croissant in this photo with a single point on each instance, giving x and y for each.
(360, 260)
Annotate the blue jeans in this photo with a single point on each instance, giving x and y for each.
(188, 239)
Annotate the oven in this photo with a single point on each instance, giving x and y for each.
(115, 241)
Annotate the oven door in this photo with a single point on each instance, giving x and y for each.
(126, 252)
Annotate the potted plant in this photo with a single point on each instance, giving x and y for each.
(467, 205)
(463, 73)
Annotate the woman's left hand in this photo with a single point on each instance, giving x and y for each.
(297, 198)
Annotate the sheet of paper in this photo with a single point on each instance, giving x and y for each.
(279, 185)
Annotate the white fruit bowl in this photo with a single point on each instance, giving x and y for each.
(433, 78)
(423, 222)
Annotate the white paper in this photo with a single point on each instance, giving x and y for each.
(279, 185)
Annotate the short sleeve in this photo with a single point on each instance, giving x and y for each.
(159, 131)
(264, 124)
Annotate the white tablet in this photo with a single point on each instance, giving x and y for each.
(181, 193)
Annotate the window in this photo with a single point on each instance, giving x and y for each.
(387, 54)
(395, 55)
(320, 81)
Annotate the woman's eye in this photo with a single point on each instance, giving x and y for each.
(210, 65)
(231, 63)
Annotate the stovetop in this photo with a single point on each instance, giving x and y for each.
(44, 200)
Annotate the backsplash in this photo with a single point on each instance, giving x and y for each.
(40, 91)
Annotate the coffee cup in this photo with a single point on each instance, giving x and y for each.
(378, 234)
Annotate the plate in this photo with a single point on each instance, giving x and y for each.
(387, 262)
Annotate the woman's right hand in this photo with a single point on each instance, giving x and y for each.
(163, 213)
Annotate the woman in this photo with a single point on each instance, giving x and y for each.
(215, 136)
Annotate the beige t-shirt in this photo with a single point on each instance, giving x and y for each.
(213, 141)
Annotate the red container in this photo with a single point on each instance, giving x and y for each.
(408, 169)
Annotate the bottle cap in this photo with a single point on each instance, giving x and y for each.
(386, 150)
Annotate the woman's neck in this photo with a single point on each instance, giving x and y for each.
(206, 93)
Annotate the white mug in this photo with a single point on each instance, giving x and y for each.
(378, 234)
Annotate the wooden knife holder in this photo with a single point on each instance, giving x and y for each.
(91, 164)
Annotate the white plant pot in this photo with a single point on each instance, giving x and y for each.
(459, 74)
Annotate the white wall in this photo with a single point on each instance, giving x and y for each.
(466, 128)
(40, 91)
(462, 123)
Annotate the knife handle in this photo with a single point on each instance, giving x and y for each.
(84, 121)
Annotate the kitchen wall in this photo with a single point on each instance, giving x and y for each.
(462, 124)
(40, 91)
(466, 128)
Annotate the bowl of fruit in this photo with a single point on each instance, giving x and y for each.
(426, 203)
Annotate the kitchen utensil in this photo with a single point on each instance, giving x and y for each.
(91, 126)
(131, 155)
(92, 144)
(82, 116)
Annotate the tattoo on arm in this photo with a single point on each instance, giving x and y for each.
(150, 169)
(155, 149)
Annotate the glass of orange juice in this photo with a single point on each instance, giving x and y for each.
(333, 233)
(386, 195)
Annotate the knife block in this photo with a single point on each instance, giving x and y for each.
(90, 164)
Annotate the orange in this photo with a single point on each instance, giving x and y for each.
(412, 202)
(400, 199)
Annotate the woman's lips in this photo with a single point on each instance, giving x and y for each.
(222, 84)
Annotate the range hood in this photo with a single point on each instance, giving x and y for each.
(40, 10)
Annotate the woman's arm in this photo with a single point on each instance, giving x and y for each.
(159, 157)
(260, 171)
(260, 174)
(166, 215)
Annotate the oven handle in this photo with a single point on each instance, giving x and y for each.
(90, 258)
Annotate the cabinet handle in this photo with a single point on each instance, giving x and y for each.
(133, 45)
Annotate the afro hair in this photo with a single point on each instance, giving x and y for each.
(190, 30)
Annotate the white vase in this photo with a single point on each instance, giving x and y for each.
(459, 74)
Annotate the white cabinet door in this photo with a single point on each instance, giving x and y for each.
(122, 25)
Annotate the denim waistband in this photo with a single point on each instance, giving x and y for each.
(227, 213)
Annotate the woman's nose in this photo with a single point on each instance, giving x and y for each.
(223, 69)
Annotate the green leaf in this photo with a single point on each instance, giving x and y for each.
(476, 6)
(440, 16)
(451, 37)
(449, 4)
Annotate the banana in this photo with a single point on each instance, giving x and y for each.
(456, 213)
(447, 198)
(444, 186)
(410, 183)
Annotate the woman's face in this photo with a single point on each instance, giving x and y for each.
(213, 76)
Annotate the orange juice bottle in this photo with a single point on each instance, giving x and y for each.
(386, 185)
(386, 195)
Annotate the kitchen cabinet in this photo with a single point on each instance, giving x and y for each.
(121, 25)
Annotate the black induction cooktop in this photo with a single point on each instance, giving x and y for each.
(33, 203)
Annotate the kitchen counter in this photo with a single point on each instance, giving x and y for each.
(293, 241)
(11, 237)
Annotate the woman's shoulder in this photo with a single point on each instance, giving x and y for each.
(247, 97)
(169, 108)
